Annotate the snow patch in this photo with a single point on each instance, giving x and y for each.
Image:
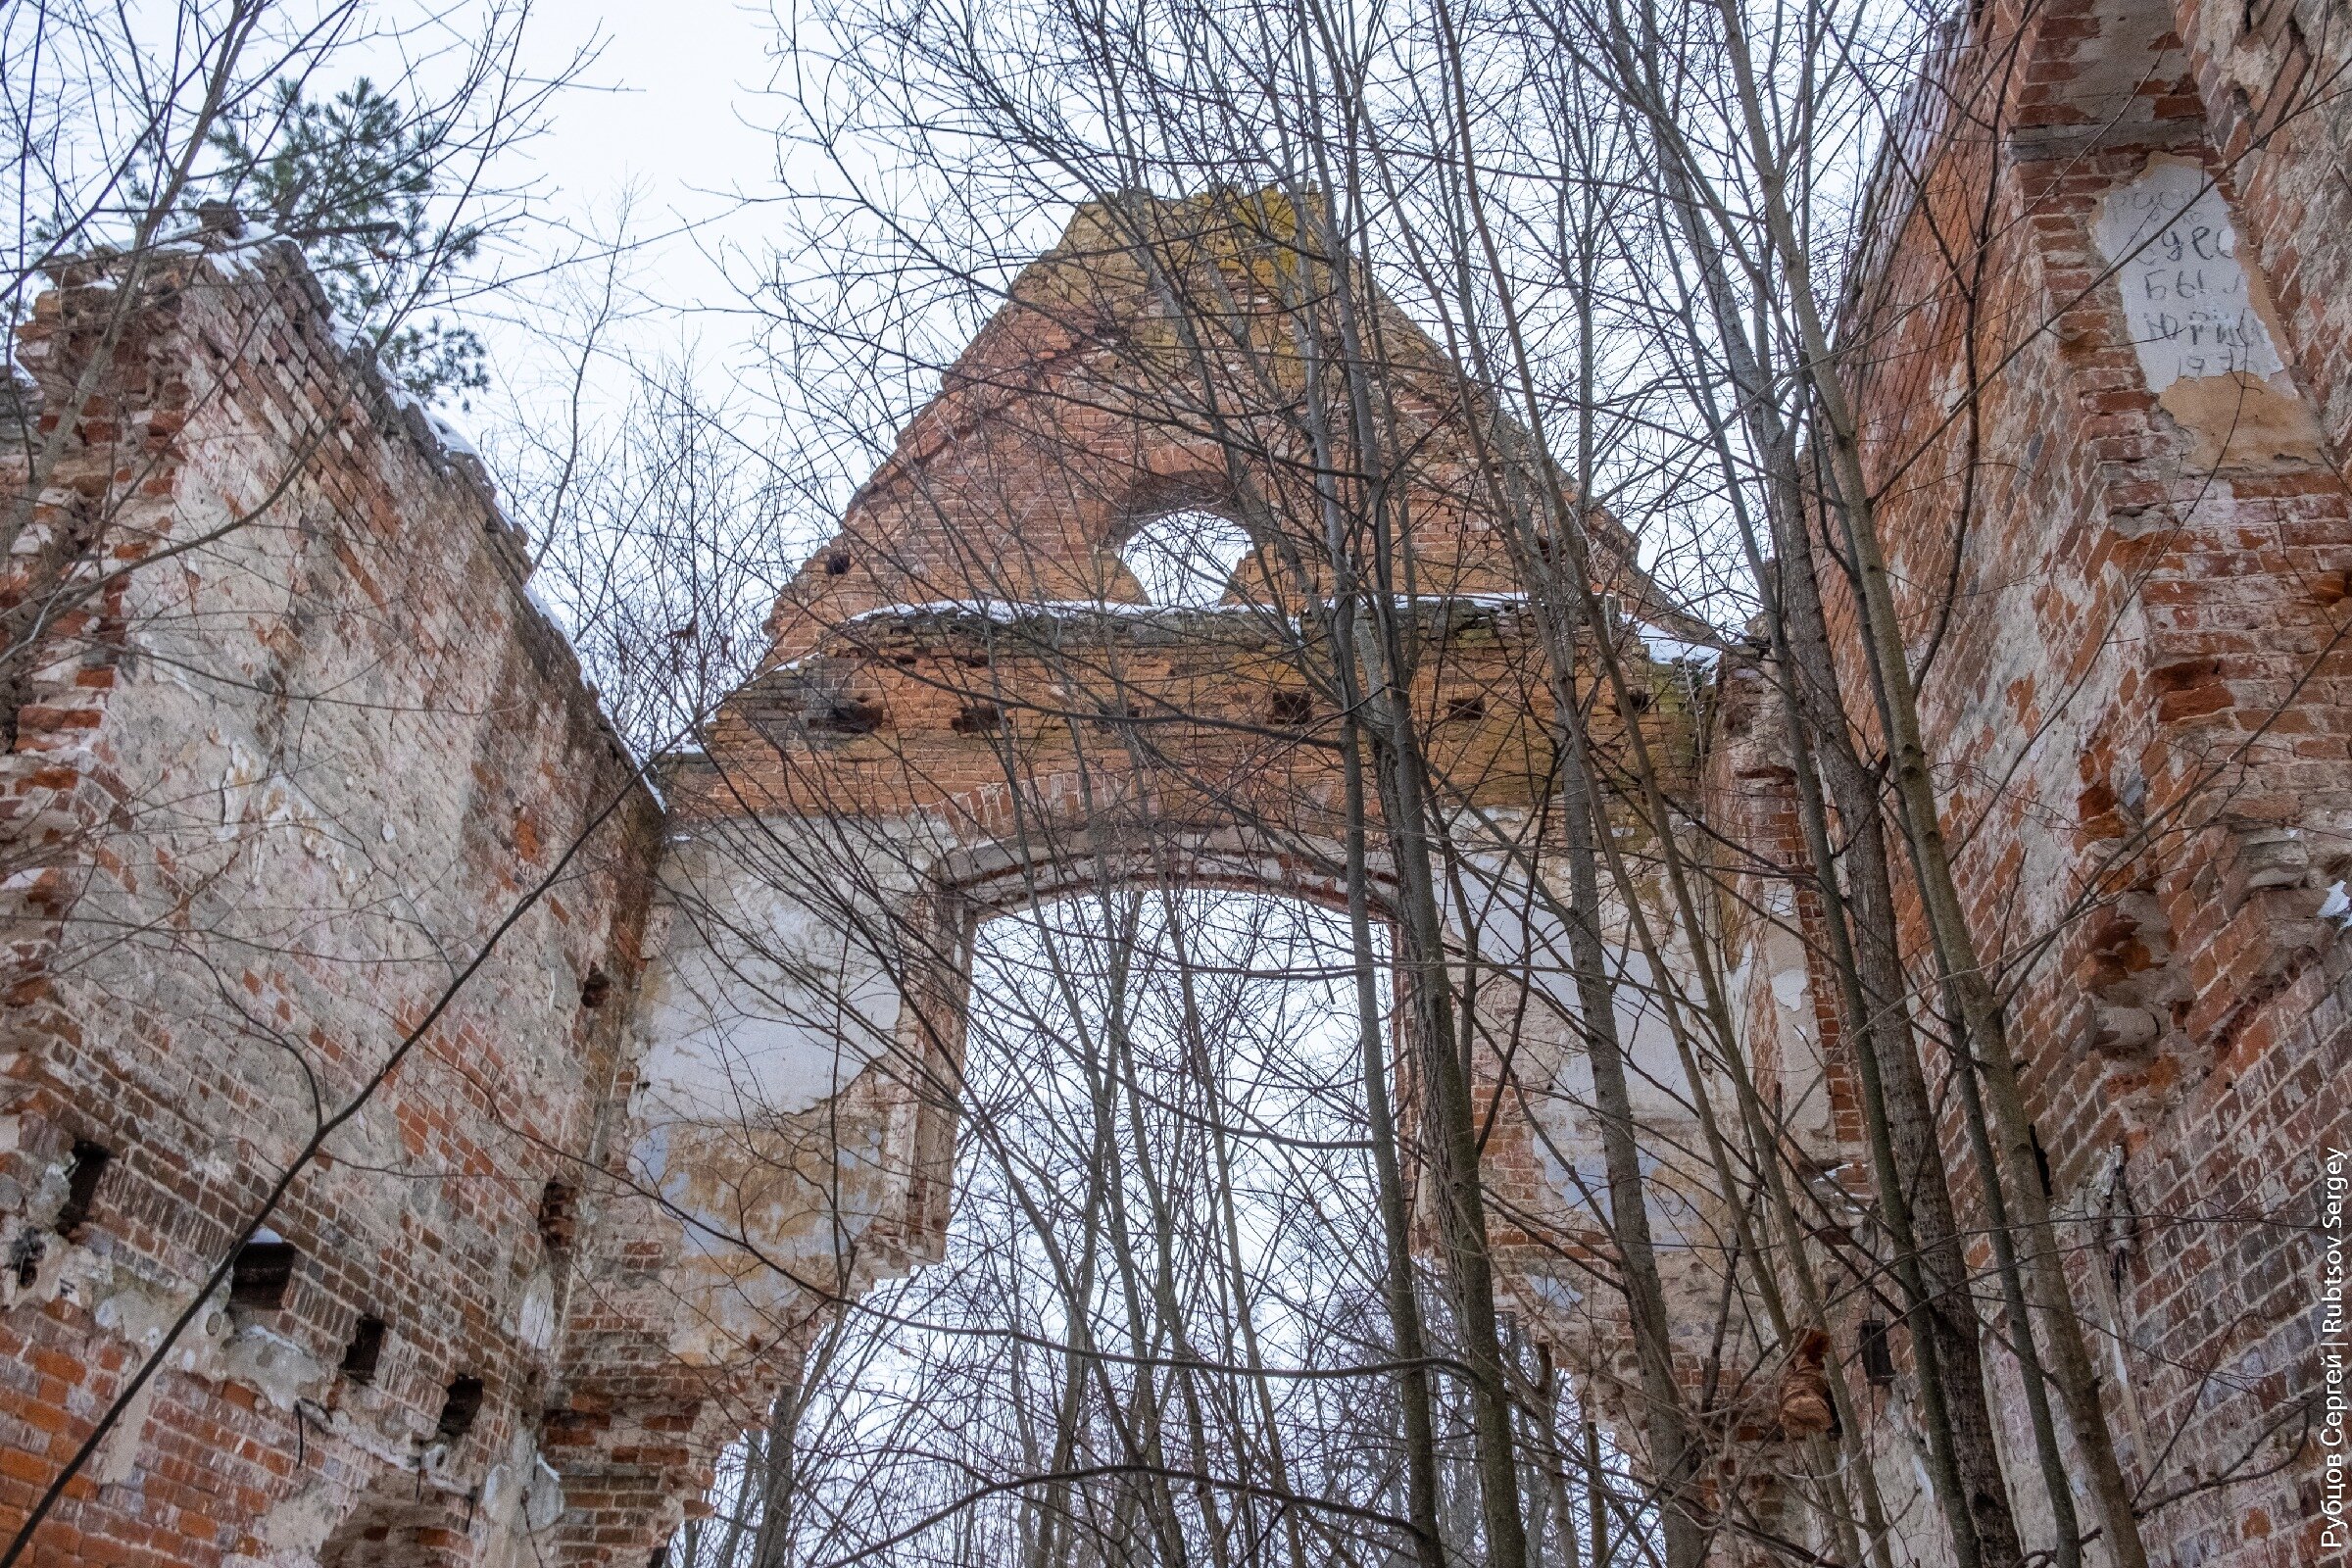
(1665, 647)
(451, 441)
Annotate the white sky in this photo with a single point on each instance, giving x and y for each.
(672, 118)
(672, 106)
(681, 67)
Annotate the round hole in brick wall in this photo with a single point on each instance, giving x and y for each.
(1185, 558)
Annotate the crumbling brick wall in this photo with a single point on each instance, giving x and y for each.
(303, 743)
(272, 782)
(967, 676)
(2138, 700)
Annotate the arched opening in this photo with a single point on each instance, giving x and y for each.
(1185, 558)
(1163, 1182)
(1159, 1327)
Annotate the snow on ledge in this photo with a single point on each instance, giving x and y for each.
(1662, 646)
(1665, 647)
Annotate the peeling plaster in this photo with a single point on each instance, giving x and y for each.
(2201, 322)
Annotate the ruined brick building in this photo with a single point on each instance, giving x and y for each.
(2142, 712)
(306, 745)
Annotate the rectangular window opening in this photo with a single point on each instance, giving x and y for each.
(365, 1349)
(852, 716)
(264, 1269)
(1878, 1355)
(459, 1410)
(556, 1215)
(81, 1185)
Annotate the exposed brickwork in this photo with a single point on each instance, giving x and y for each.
(337, 741)
(265, 794)
(2141, 705)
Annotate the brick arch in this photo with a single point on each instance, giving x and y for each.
(1194, 483)
(1154, 498)
(781, 763)
(964, 707)
(1308, 873)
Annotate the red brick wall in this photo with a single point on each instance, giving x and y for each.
(266, 784)
(266, 793)
(1020, 747)
(260, 791)
(2139, 704)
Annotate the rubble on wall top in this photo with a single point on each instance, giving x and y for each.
(273, 264)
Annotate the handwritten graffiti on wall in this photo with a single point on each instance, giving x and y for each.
(2188, 301)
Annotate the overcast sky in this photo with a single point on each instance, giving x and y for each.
(680, 69)
(674, 116)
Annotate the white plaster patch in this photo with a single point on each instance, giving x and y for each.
(536, 1320)
(302, 1523)
(762, 1004)
(137, 1315)
(1522, 932)
(2186, 298)
(272, 1365)
(1789, 988)
(542, 1498)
